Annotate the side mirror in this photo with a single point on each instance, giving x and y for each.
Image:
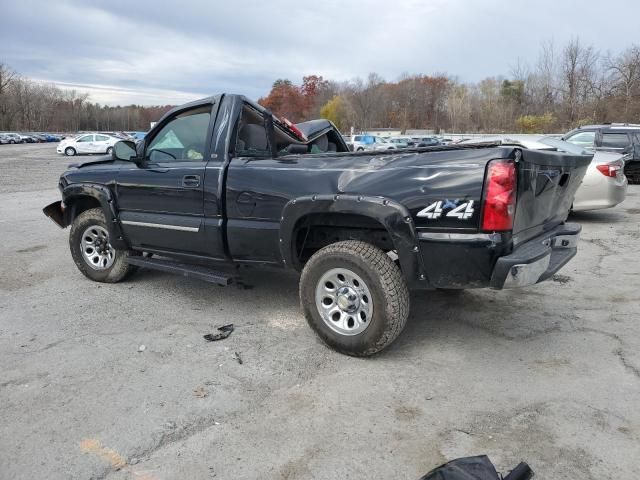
(124, 150)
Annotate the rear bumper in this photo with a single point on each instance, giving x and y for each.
(537, 259)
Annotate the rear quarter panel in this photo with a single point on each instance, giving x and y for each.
(258, 190)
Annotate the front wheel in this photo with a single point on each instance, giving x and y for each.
(92, 251)
(69, 151)
(354, 297)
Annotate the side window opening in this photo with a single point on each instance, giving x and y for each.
(615, 140)
(251, 140)
(182, 139)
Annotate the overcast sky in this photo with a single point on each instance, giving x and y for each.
(134, 51)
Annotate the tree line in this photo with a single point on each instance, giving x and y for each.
(567, 86)
(30, 106)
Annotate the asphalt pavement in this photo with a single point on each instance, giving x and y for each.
(548, 374)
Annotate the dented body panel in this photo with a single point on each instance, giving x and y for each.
(272, 209)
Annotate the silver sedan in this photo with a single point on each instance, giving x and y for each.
(604, 185)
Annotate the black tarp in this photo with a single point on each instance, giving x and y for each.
(475, 468)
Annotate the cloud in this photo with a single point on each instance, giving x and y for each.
(139, 51)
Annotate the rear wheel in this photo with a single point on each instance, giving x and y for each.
(109, 150)
(92, 251)
(69, 151)
(354, 297)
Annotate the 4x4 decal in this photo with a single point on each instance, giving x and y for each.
(434, 211)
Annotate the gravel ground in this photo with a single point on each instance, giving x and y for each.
(549, 374)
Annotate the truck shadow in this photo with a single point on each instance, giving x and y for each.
(437, 319)
(599, 216)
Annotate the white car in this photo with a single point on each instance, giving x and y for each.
(87, 143)
(370, 142)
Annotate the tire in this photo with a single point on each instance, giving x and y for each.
(69, 151)
(110, 267)
(360, 149)
(109, 150)
(382, 278)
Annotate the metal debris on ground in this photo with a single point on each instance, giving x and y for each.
(224, 330)
(200, 392)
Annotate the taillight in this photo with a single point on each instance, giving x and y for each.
(609, 169)
(500, 196)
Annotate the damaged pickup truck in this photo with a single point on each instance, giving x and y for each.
(220, 183)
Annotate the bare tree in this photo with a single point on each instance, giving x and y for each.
(579, 64)
(625, 75)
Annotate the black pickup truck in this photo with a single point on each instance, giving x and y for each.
(221, 183)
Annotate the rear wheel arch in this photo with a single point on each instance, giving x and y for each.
(314, 231)
(381, 222)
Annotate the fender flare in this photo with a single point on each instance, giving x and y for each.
(393, 216)
(107, 202)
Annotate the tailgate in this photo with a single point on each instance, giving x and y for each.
(547, 182)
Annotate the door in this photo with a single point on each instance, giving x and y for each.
(84, 144)
(101, 143)
(160, 202)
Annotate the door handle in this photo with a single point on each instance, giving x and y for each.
(191, 181)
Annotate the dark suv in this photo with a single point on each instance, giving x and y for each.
(620, 137)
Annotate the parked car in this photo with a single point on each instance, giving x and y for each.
(48, 137)
(135, 136)
(221, 181)
(370, 143)
(26, 138)
(14, 137)
(426, 141)
(617, 137)
(604, 184)
(399, 142)
(4, 139)
(87, 143)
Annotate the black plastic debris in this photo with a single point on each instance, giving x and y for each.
(476, 468)
(237, 356)
(224, 330)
